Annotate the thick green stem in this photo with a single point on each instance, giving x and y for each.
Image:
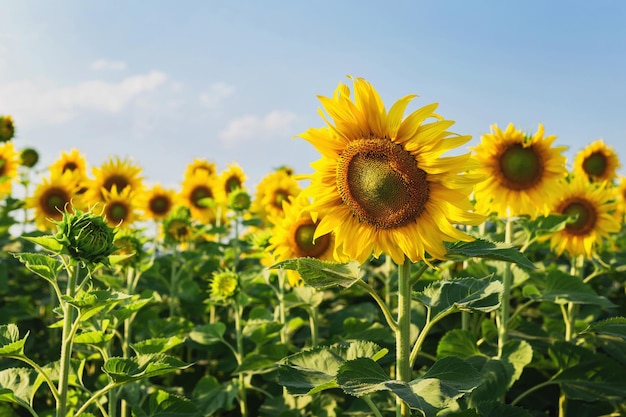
(243, 403)
(282, 315)
(67, 339)
(313, 324)
(403, 334)
(507, 282)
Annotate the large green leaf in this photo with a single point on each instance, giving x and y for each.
(459, 343)
(610, 336)
(46, 242)
(16, 385)
(95, 337)
(323, 274)
(156, 345)
(210, 395)
(614, 326)
(42, 265)
(207, 334)
(563, 288)
(10, 342)
(165, 404)
(481, 248)
(142, 366)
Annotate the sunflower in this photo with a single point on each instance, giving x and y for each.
(271, 191)
(592, 206)
(156, 202)
(232, 178)
(177, 227)
(199, 164)
(116, 172)
(620, 196)
(381, 184)
(72, 161)
(9, 163)
(597, 161)
(522, 172)
(51, 197)
(202, 194)
(120, 207)
(7, 128)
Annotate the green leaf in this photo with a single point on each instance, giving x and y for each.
(361, 376)
(481, 248)
(614, 326)
(323, 274)
(10, 342)
(563, 288)
(156, 345)
(544, 224)
(43, 265)
(96, 338)
(464, 294)
(131, 307)
(53, 370)
(16, 385)
(46, 242)
(262, 331)
(210, 395)
(518, 353)
(459, 343)
(142, 366)
(208, 334)
(164, 404)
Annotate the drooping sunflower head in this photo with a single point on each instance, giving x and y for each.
(29, 157)
(522, 172)
(204, 196)
(272, 190)
(7, 129)
(597, 161)
(199, 164)
(9, 163)
(118, 173)
(591, 207)
(120, 207)
(157, 202)
(51, 197)
(382, 185)
(232, 178)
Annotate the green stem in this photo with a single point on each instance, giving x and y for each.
(313, 324)
(507, 281)
(66, 340)
(403, 333)
(424, 332)
(372, 405)
(174, 283)
(281, 306)
(531, 390)
(96, 395)
(40, 371)
(381, 303)
(243, 404)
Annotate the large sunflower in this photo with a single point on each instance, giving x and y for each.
(51, 197)
(157, 202)
(120, 207)
(597, 161)
(382, 185)
(592, 205)
(522, 172)
(116, 172)
(202, 194)
(9, 163)
(272, 190)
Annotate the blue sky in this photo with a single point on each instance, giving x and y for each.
(164, 82)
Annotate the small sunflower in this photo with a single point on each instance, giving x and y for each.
(224, 285)
(201, 192)
(200, 164)
(381, 185)
(272, 190)
(232, 178)
(51, 197)
(157, 202)
(120, 208)
(73, 161)
(597, 161)
(7, 128)
(592, 206)
(177, 227)
(620, 196)
(9, 163)
(116, 172)
(522, 172)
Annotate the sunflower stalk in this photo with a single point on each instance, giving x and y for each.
(507, 282)
(403, 333)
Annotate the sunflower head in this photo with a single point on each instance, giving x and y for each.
(522, 172)
(51, 197)
(86, 237)
(7, 129)
(224, 285)
(597, 161)
(201, 192)
(9, 163)
(29, 157)
(177, 226)
(130, 243)
(115, 173)
(239, 200)
(157, 202)
(232, 179)
(273, 189)
(200, 164)
(120, 208)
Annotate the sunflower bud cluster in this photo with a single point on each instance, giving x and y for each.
(7, 130)
(86, 236)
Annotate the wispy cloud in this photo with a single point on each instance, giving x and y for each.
(275, 123)
(216, 94)
(36, 101)
(103, 64)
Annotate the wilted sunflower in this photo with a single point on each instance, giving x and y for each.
(272, 190)
(116, 172)
(201, 192)
(9, 163)
(120, 208)
(592, 205)
(382, 185)
(597, 161)
(522, 172)
(156, 202)
(232, 178)
(199, 164)
(51, 197)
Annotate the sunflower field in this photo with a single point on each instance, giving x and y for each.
(395, 279)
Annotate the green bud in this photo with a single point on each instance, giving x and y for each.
(7, 130)
(239, 200)
(29, 157)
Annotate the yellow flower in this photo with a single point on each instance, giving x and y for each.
(271, 191)
(232, 178)
(156, 202)
(72, 161)
(522, 172)
(620, 196)
(199, 164)
(177, 227)
(292, 237)
(597, 161)
(382, 185)
(9, 163)
(202, 194)
(592, 205)
(116, 172)
(51, 197)
(120, 208)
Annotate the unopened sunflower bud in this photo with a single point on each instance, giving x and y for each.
(7, 130)
(29, 157)
(239, 200)
(87, 237)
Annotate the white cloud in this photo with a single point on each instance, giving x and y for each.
(103, 64)
(36, 101)
(275, 123)
(216, 94)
